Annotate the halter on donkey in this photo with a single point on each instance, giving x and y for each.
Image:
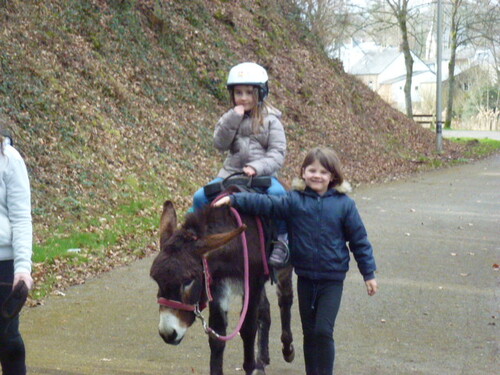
(202, 259)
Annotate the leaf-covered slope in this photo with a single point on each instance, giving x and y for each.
(116, 100)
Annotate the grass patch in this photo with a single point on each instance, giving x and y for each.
(97, 234)
(478, 148)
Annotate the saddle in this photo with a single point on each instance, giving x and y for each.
(238, 182)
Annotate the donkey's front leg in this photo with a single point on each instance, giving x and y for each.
(218, 322)
(248, 334)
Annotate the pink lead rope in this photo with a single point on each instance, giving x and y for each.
(209, 330)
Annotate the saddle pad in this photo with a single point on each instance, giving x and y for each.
(262, 182)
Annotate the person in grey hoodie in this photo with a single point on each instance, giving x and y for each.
(15, 250)
(252, 135)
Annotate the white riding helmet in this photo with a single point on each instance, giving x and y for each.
(251, 74)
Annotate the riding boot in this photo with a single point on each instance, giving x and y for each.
(280, 255)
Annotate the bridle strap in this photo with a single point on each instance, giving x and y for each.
(179, 305)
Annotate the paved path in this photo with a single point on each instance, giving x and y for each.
(436, 237)
(471, 134)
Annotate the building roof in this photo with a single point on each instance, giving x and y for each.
(374, 62)
(403, 77)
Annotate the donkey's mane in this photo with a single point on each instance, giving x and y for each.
(208, 217)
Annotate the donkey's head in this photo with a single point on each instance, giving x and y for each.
(178, 269)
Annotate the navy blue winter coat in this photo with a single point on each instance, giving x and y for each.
(321, 230)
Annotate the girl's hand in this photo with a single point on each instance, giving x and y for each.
(371, 286)
(239, 109)
(249, 171)
(223, 201)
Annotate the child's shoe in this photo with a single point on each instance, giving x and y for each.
(280, 255)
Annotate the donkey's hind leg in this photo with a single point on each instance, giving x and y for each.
(264, 324)
(285, 301)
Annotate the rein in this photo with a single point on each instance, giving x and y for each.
(246, 283)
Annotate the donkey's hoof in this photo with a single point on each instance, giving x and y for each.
(289, 354)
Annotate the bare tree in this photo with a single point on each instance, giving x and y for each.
(485, 26)
(456, 22)
(329, 20)
(398, 14)
(473, 23)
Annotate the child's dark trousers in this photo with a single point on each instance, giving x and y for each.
(319, 303)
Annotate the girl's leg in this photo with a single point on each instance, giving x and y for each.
(280, 253)
(329, 295)
(276, 188)
(12, 351)
(200, 199)
(306, 295)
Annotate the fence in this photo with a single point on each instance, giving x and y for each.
(427, 121)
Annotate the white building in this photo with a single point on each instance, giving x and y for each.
(384, 71)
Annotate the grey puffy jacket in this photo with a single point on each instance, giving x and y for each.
(265, 151)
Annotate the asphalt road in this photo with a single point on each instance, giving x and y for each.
(479, 134)
(436, 238)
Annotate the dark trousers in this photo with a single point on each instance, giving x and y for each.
(12, 352)
(319, 303)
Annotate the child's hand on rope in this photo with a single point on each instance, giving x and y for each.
(223, 201)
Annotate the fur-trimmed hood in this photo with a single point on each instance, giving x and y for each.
(299, 184)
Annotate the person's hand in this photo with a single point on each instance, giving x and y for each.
(24, 276)
(239, 109)
(249, 171)
(371, 286)
(223, 201)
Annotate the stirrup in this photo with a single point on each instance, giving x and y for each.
(280, 260)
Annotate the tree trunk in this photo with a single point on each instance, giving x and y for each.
(451, 84)
(451, 65)
(408, 63)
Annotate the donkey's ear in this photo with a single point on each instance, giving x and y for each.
(168, 222)
(216, 241)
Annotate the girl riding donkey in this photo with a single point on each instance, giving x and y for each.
(252, 133)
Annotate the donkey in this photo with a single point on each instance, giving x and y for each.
(204, 258)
